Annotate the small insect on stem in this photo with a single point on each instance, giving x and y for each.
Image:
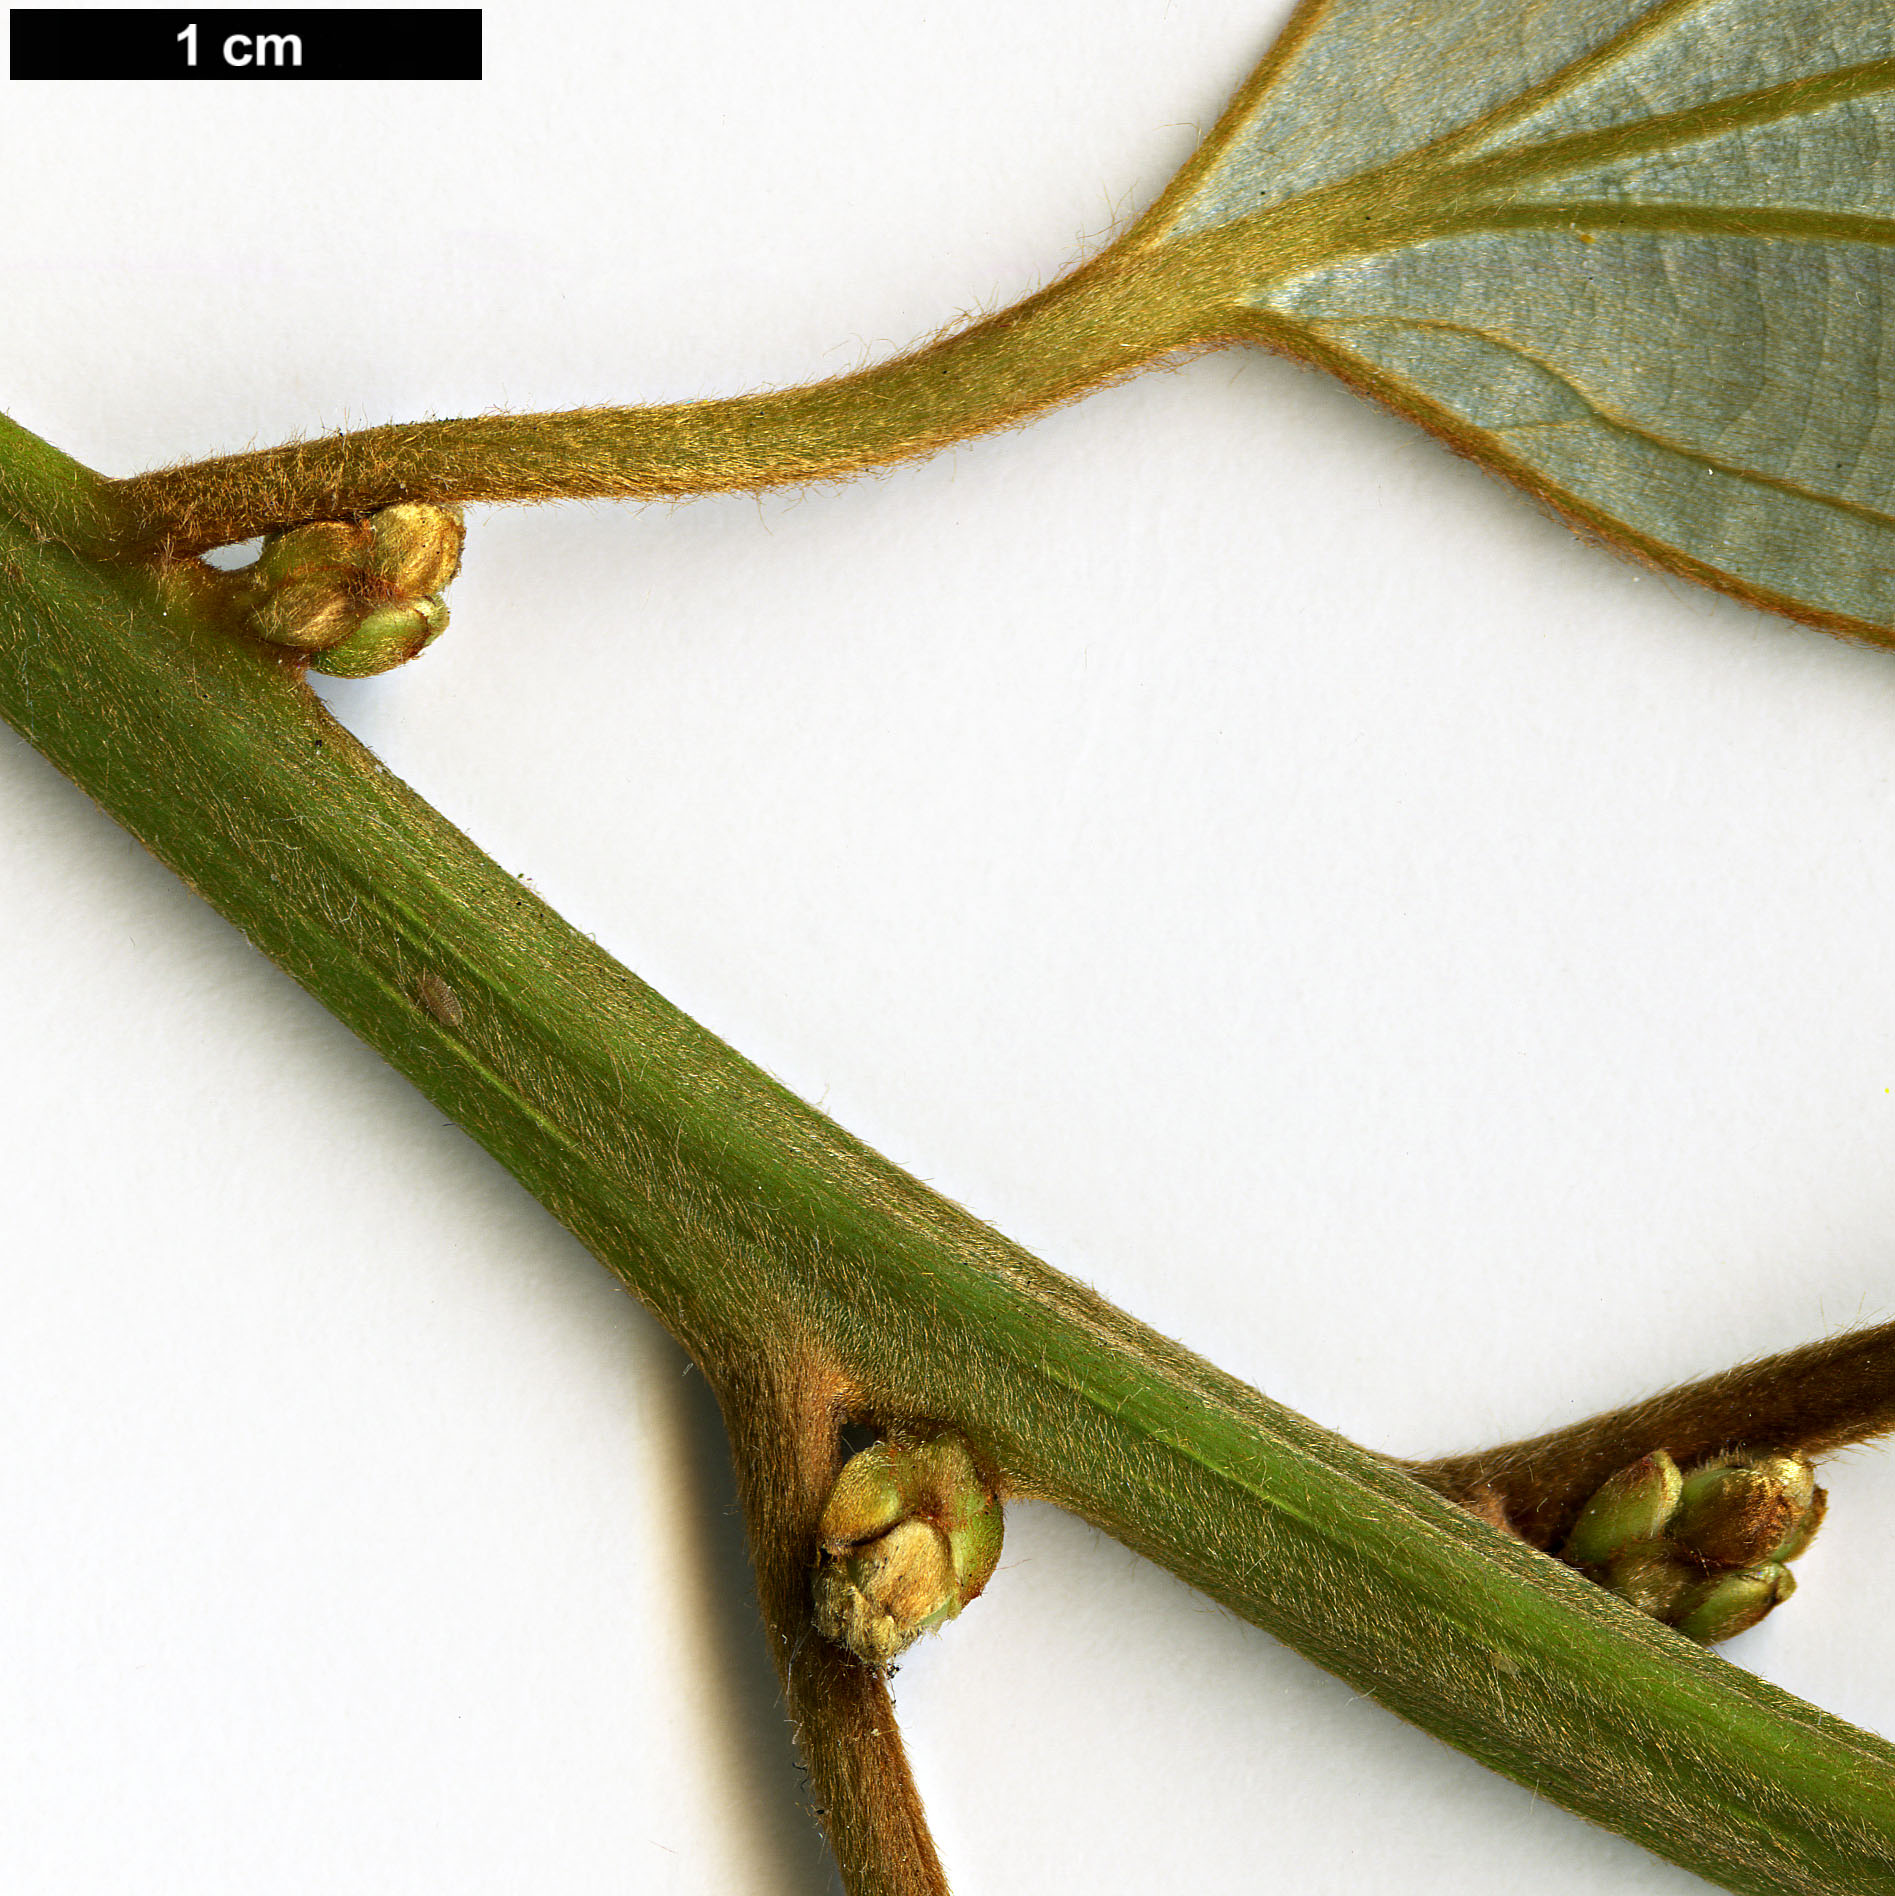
(439, 999)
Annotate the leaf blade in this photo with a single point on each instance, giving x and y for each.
(1648, 273)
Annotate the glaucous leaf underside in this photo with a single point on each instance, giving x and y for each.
(1638, 255)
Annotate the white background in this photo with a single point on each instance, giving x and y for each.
(1436, 970)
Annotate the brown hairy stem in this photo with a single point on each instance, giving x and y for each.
(785, 1421)
(1138, 303)
(1106, 319)
(1809, 1401)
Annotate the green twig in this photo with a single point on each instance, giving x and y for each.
(765, 1237)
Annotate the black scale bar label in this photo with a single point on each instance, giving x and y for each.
(280, 43)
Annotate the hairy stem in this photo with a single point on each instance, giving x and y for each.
(750, 1224)
(1106, 319)
(785, 1413)
(1133, 305)
(1809, 1401)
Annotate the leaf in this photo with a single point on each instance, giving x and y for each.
(1636, 255)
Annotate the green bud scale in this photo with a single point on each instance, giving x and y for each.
(1734, 1602)
(416, 548)
(387, 637)
(1634, 1505)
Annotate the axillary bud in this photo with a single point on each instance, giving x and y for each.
(1702, 1549)
(360, 596)
(910, 1534)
